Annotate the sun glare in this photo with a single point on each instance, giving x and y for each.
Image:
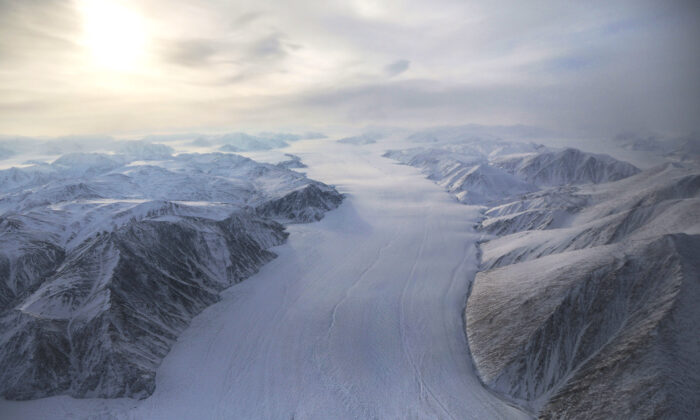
(114, 34)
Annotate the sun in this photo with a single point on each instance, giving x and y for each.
(114, 34)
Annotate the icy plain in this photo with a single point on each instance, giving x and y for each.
(358, 317)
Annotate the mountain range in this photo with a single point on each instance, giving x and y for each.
(105, 258)
(585, 302)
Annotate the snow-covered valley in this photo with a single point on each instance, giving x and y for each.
(359, 316)
(343, 210)
(581, 273)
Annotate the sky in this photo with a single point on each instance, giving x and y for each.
(159, 66)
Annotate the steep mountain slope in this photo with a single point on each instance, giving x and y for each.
(584, 305)
(601, 332)
(104, 259)
(592, 317)
(660, 200)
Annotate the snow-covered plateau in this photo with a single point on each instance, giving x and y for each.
(580, 274)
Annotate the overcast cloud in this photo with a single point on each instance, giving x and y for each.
(581, 68)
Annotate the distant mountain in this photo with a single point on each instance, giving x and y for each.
(244, 142)
(293, 162)
(565, 167)
(684, 148)
(367, 138)
(471, 132)
(141, 150)
(149, 147)
(5, 153)
(483, 172)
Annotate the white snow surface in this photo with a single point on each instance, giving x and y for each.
(358, 317)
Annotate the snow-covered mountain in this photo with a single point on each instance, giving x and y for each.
(565, 167)
(586, 303)
(16, 151)
(487, 172)
(244, 142)
(683, 148)
(584, 306)
(5, 153)
(105, 258)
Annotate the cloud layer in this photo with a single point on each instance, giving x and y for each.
(579, 69)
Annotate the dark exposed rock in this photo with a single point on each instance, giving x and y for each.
(100, 325)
